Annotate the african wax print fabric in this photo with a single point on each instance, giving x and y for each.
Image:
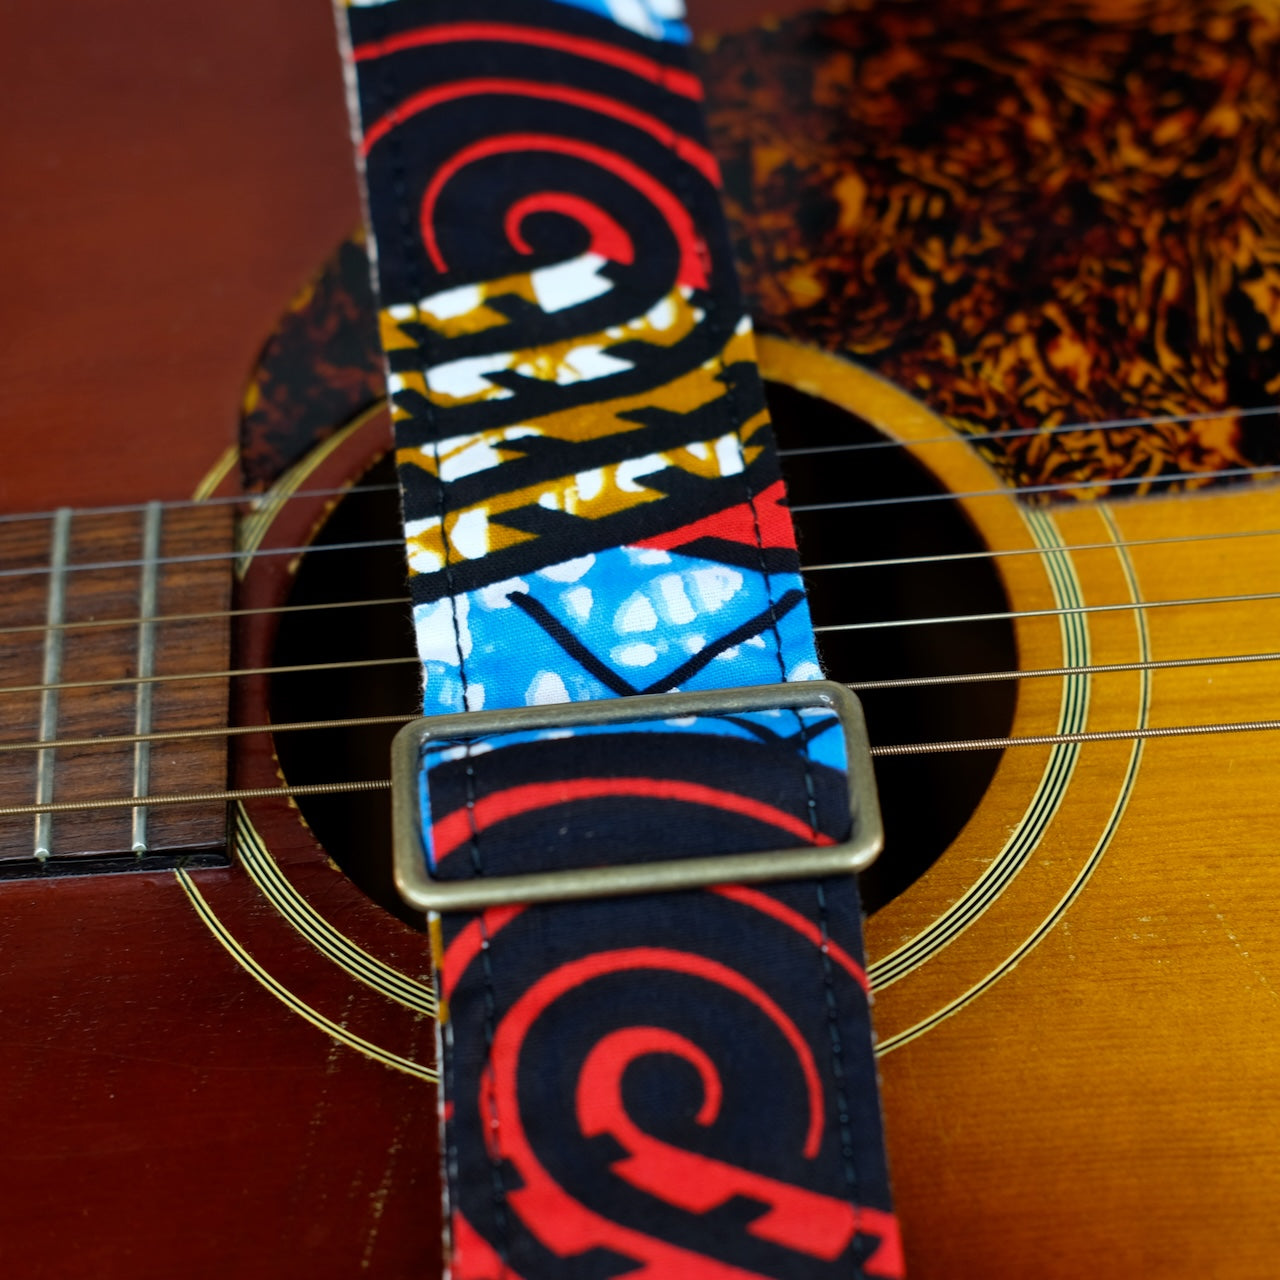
(666, 1085)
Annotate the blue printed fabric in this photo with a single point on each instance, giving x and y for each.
(658, 19)
(615, 622)
(550, 799)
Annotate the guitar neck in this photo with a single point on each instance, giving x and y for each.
(98, 607)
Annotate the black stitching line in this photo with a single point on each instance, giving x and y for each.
(400, 203)
(837, 1046)
(814, 729)
(775, 617)
(845, 1119)
(847, 1148)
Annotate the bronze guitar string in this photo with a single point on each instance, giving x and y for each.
(1015, 433)
(942, 620)
(384, 784)
(888, 562)
(857, 686)
(1111, 424)
(964, 744)
(186, 504)
(851, 504)
(212, 615)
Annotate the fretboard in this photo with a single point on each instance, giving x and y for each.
(113, 635)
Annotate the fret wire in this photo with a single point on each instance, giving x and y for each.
(880, 624)
(144, 693)
(858, 686)
(909, 749)
(46, 765)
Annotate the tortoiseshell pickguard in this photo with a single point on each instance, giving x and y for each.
(320, 368)
(1028, 215)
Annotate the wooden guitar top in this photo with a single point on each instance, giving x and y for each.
(226, 1071)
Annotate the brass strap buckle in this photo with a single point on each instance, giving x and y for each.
(422, 890)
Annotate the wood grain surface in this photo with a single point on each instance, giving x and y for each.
(225, 1073)
(174, 175)
(1077, 1070)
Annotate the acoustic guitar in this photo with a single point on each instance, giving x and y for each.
(1015, 275)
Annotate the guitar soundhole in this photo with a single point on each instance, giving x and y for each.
(926, 799)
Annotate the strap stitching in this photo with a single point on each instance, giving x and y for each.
(847, 1146)
(400, 203)
(848, 1149)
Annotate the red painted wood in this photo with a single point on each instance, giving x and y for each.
(163, 1116)
(173, 174)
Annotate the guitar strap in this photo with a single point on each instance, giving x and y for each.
(667, 1083)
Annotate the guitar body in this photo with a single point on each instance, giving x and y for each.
(224, 1071)
(174, 177)
(1074, 1004)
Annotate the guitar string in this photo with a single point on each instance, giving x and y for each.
(909, 682)
(212, 731)
(179, 677)
(196, 797)
(799, 508)
(1106, 424)
(384, 784)
(822, 628)
(252, 500)
(206, 557)
(890, 562)
(858, 686)
(1085, 736)
(887, 562)
(1067, 486)
(1013, 615)
(387, 543)
(1014, 433)
(213, 614)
